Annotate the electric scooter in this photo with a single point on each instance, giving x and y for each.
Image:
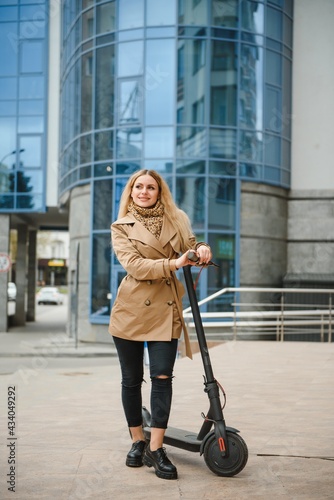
(224, 451)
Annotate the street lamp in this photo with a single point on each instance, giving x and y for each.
(11, 153)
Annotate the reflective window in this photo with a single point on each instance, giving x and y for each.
(251, 87)
(6, 202)
(273, 68)
(224, 56)
(31, 60)
(102, 207)
(159, 142)
(8, 13)
(222, 168)
(250, 146)
(251, 171)
(274, 23)
(272, 150)
(86, 91)
(32, 146)
(104, 87)
(273, 115)
(30, 124)
(131, 14)
(252, 16)
(31, 107)
(29, 202)
(223, 249)
(8, 48)
(130, 59)
(88, 24)
(32, 30)
(163, 166)
(128, 168)
(221, 201)
(224, 13)
(85, 148)
(193, 12)
(189, 166)
(105, 18)
(222, 143)
(160, 12)
(191, 142)
(8, 141)
(31, 87)
(223, 105)
(8, 88)
(190, 197)
(29, 181)
(130, 104)
(129, 142)
(35, 13)
(7, 108)
(160, 82)
(104, 145)
(100, 284)
(272, 174)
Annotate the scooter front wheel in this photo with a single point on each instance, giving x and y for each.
(233, 463)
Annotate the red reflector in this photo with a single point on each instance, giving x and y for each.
(221, 444)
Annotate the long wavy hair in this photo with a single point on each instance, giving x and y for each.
(178, 217)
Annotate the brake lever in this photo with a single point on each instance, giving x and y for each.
(194, 258)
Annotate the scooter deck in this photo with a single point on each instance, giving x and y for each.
(179, 438)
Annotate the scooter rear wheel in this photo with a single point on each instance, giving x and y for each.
(232, 464)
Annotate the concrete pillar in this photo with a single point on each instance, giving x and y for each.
(19, 318)
(31, 302)
(4, 248)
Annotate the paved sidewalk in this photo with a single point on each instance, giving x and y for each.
(72, 438)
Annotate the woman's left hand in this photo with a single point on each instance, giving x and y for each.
(205, 255)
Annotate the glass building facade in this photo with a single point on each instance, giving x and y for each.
(199, 90)
(23, 95)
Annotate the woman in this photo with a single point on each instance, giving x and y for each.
(148, 238)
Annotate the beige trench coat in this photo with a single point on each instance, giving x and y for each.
(148, 305)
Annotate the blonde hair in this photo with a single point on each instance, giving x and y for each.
(178, 217)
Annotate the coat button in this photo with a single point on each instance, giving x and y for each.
(147, 302)
(167, 282)
(170, 302)
(149, 282)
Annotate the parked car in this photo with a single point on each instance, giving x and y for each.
(49, 295)
(11, 291)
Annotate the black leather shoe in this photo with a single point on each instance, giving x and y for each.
(159, 460)
(135, 456)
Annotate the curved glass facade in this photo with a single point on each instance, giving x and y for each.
(199, 90)
(23, 94)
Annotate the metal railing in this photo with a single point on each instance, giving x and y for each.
(277, 319)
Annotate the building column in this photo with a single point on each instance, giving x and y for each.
(19, 318)
(4, 248)
(31, 302)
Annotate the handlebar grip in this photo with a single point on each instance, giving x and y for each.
(193, 257)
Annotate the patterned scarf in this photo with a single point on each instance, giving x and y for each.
(151, 217)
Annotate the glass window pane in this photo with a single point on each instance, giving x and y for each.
(159, 142)
(222, 168)
(30, 181)
(225, 13)
(163, 166)
(193, 12)
(31, 87)
(224, 253)
(160, 12)
(130, 59)
(191, 142)
(131, 14)
(251, 147)
(221, 203)
(8, 141)
(129, 142)
(222, 143)
(105, 21)
(103, 198)
(31, 107)
(159, 82)
(274, 23)
(273, 68)
(32, 154)
(223, 105)
(273, 106)
(190, 167)
(101, 271)
(252, 16)
(272, 174)
(272, 150)
(130, 104)
(31, 124)
(251, 83)
(190, 197)
(8, 13)
(85, 148)
(224, 56)
(33, 12)
(103, 169)
(8, 49)
(88, 24)
(32, 30)
(104, 87)
(32, 57)
(127, 167)
(251, 170)
(86, 91)
(8, 88)
(29, 202)
(104, 145)
(7, 108)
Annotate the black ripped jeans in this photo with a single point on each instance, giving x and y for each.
(162, 358)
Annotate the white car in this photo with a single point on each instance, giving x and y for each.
(49, 295)
(11, 291)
